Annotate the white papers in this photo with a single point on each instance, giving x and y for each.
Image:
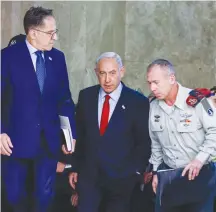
(66, 128)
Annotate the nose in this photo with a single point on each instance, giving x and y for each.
(152, 87)
(107, 78)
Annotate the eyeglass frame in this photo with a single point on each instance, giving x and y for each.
(48, 33)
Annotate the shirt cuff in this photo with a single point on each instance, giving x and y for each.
(203, 157)
(155, 167)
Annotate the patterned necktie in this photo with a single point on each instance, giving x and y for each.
(105, 115)
(40, 70)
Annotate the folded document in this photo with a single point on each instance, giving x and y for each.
(66, 129)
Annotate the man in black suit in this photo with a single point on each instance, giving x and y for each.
(113, 144)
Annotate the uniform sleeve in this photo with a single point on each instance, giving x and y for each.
(156, 149)
(208, 148)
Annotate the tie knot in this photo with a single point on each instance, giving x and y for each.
(38, 53)
(107, 97)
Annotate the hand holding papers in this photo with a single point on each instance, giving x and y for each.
(66, 129)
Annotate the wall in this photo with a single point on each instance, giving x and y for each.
(182, 32)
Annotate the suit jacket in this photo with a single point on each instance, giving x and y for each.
(125, 146)
(25, 111)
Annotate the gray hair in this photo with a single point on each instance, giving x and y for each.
(110, 55)
(164, 64)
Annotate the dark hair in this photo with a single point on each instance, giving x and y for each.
(34, 17)
(213, 89)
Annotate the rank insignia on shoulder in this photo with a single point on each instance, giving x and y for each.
(199, 95)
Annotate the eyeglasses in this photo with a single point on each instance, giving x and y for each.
(48, 33)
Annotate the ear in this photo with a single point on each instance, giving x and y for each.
(122, 71)
(172, 79)
(96, 70)
(32, 34)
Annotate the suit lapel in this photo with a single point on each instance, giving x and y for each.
(29, 67)
(94, 110)
(49, 68)
(118, 111)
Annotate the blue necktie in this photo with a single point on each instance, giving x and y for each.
(40, 70)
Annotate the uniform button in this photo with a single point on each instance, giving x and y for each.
(176, 157)
(172, 131)
(174, 144)
(38, 125)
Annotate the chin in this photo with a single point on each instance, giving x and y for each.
(107, 90)
(159, 96)
(48, 49)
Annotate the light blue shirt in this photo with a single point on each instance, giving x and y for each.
(32, 51)
(114, 97)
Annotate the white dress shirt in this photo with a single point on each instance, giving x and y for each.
(114, 97)
(32, 51)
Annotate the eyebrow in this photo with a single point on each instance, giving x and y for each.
(108, 71)
(153, 81)
(112, 70)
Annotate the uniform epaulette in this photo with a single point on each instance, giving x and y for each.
(199, 95)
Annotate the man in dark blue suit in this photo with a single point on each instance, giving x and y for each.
(35, 90)
(113, 144)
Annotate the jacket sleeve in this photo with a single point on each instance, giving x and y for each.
(142, 150)
(6, 91)
(208, 148)
(80, 143)
(66, 104)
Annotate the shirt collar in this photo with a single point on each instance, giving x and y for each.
(180, 98)
(114, 95)
(31, 48)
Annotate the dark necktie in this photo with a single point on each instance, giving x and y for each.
(105, 115)
(40, 70)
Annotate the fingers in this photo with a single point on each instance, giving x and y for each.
(71, 182)
(154, 183)
(9, 142)
(74, 200)
(154, 187)
(4, 151)
(73, 179)
(197, 171)
(193, 171)
(185, 170)
(6, 147)
(65, 150)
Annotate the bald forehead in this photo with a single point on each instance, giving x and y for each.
(107, 63)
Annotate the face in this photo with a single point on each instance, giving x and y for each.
(109, 75)
(160, 82)
(43, 37)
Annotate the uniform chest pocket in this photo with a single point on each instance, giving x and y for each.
(157, 124)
